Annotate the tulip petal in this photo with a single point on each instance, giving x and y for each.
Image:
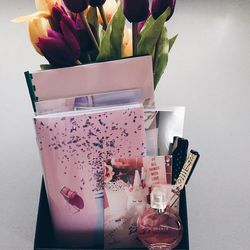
(56, 14)
(22, 19)
(96, 3)
(46, 5)
(76, 6)
(136, 11)
(55, 34)
(69, 30)
(127, 46)
(126, 35)
(110, 7)
(37, 27)
(159, 6)
(56, 51)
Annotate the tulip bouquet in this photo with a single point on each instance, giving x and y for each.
(76, 32)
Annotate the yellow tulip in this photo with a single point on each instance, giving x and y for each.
(127, 47)
(46, 5)
(110, 7)
(126, 35)
(38, 14)
(44, 8)
(38, 26)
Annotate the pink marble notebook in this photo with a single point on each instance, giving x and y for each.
(73, 147)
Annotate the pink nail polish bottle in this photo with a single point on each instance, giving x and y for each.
(159, 227)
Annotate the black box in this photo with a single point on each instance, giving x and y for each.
(44, 238)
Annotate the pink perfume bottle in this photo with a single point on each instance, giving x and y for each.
(159, 227)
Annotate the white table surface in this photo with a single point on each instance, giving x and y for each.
(208, 72)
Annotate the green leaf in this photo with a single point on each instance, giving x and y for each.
(161, 59)
(46, 66)
(172, 41)
(111, 42)
(105, 46)
(93, 20)
(146, 27)
(151, 34)
(117, 32)
(101, 34)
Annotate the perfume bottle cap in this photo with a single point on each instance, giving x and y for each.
(158, 197)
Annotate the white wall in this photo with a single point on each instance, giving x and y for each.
(208, 72)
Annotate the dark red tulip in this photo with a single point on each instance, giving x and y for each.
(135, 10)
(56, 15)
(159, 6)
(69, 30)
(76, 6)
(61, 49)
(96, 3)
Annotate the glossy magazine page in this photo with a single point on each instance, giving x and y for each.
(127, 183)
(97, 100)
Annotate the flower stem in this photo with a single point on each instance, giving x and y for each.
(134, 38)
(104, 19)
(89, 57)
(85, 22)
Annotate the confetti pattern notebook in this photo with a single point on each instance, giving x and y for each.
(73, 147)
